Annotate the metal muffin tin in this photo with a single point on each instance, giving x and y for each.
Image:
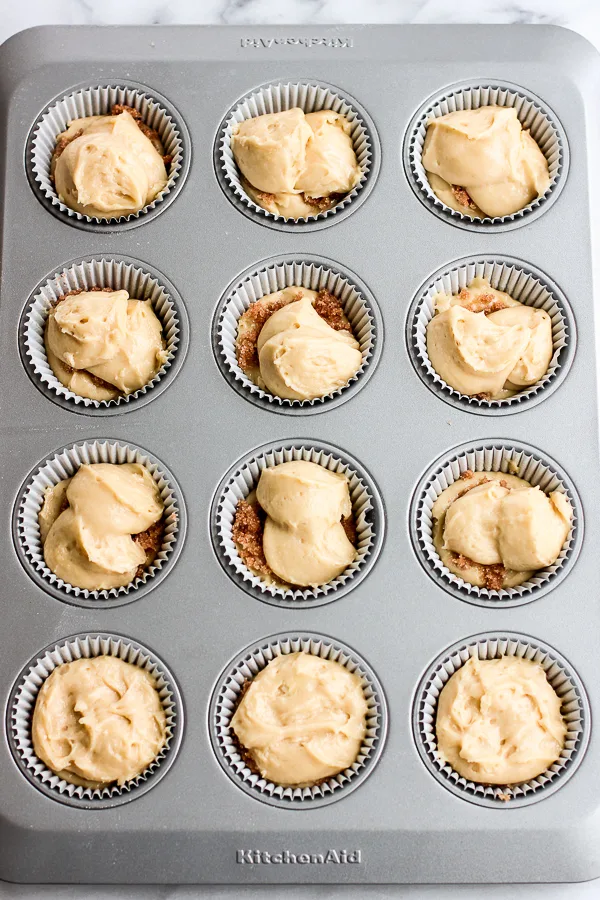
(201, 821)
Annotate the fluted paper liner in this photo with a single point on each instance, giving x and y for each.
(96, 101)
(65, 463)
(227, 695)
(310, 97)
(359, 309)
(522, 283)
(243, 479)
(494, 456)
(564, 680)
(98, 272)
(533, 114)
(22, 705)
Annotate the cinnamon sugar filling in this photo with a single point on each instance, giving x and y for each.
(463, 197)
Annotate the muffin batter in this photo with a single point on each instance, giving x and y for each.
(101, 527)
(482, 163)
(297, 343)
(296, 165)
(109, 166)
(98, 721)
(499, 721)
(495, 530)
(302, 719)
(297, 528)
(484, 343)
(101, 343)
(300, 356)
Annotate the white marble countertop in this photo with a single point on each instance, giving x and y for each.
(580, 15)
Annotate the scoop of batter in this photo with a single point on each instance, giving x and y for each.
(108, 168)
(303, 719)
(499, 721)
(294, 165)
(90, 543)
(499, 520)
(301, 357)
(98, 721)
(304, 541)
(96, 340)
(483, 342)
(481, 162)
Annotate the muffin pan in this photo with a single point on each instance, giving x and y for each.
(198, 617)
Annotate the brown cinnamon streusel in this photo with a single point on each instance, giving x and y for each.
(486, 303)
(493, 575)
(321, 204)
(463, 197)
(247, 534)
(150, 541)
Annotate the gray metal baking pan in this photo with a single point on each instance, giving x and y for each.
(401, 824)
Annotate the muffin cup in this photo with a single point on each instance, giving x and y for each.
(21, 706)
(314, 274)
(310, 97)
(243, 478)
(524, 283)
(156, 112)
(564, 680)
(63, 464)
(534, 115)
(118, 273)
(493, 456)
(228, 692)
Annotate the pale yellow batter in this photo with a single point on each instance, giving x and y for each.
(499, 520)
(98, 721)
(303, 719)
(304, 541)
(499, 721)
(107, 336)
(483, 342)
(301, 357)
(89, 544)
(488, 154)
(109, 169)
(289, 159)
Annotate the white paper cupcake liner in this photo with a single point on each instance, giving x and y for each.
(314, 274)
(65, 463)
(524, 283)
(243, 478)
(118, 273)
(156, 112)
(310, 97)
(514, 458)
(21, 707)
(534, 115)
(562, 677)
(227, 695)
